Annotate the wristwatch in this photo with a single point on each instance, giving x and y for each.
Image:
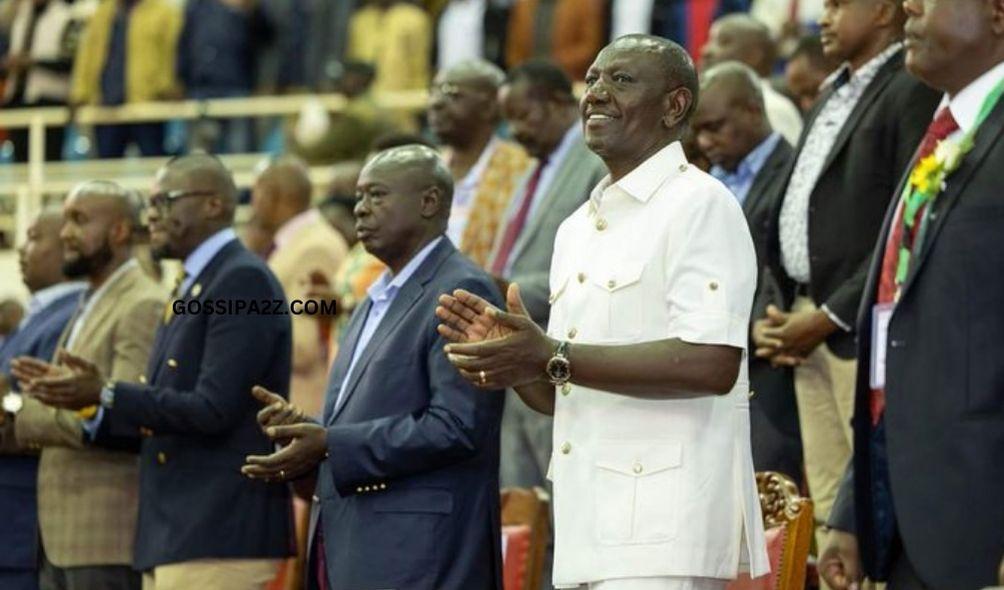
(12, 403)
(559, 369)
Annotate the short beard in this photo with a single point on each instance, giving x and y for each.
(87, 265)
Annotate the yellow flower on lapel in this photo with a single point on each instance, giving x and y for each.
(926, 175)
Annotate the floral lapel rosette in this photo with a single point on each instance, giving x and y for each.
(927, 181)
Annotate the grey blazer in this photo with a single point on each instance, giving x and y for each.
(577, 175)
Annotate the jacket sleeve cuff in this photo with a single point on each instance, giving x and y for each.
(845, 326)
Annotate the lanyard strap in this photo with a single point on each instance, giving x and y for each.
(915, 199)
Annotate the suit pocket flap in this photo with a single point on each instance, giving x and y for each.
(639, 459)
(427, 500)
(618, 276)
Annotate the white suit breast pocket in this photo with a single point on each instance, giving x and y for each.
(638, 491)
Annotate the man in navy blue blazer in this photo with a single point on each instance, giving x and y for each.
(406, 458)
(52, 303)
(201, 523)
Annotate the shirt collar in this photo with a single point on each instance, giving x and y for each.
(642, 182)
(753, 162)
(45, 297)
(966, 103)
(866, 73)
(388, 284)
(207, 250)
(292, 226)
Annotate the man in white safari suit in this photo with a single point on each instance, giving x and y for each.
(644, 362)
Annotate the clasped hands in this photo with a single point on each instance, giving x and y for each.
(491, 348)
(787, 338)
(74, 383)
(303, 442)
(71, 383)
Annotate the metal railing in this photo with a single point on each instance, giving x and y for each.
(30, 182)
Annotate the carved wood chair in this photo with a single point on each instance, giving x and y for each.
(787, 520)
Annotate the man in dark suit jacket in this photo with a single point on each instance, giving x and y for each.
(733, 131)
(857, 142)
(922, 506)
(201, 524)
(406, 459)
(52, 304)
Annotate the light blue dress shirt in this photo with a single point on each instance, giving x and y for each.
(382, 294)
(200, 258)
(194, 264)
(741, 180)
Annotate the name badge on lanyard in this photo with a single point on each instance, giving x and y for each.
(881, 313)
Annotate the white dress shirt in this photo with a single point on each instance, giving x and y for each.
(464, 192)
(966, 104)
(794, 218)
(782, 114)
(654, 488)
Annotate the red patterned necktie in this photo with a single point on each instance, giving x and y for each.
(515, 227)
(943, 125)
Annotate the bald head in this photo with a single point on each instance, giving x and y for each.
(463, 103)
(730, 120)
(742, 38)
(281, 191)
(194, 197)
(421, 166)
(41, 254)
(101, 223)
(402, 203)
(734, 81)
(120, 202)
(479, 73)
(203, 172)
(49, 220)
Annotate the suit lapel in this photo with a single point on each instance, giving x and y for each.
(871, 93)
(342, 362)
(988, 135)
(405, 300)
(166, 332)
(771, 168)
(103, 308)
(560, 179)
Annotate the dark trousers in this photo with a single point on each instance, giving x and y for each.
(774, 428)
(112, 140)
(105, 577)
(11, 579)
(53, 135)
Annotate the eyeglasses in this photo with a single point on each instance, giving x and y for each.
(162, 201)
